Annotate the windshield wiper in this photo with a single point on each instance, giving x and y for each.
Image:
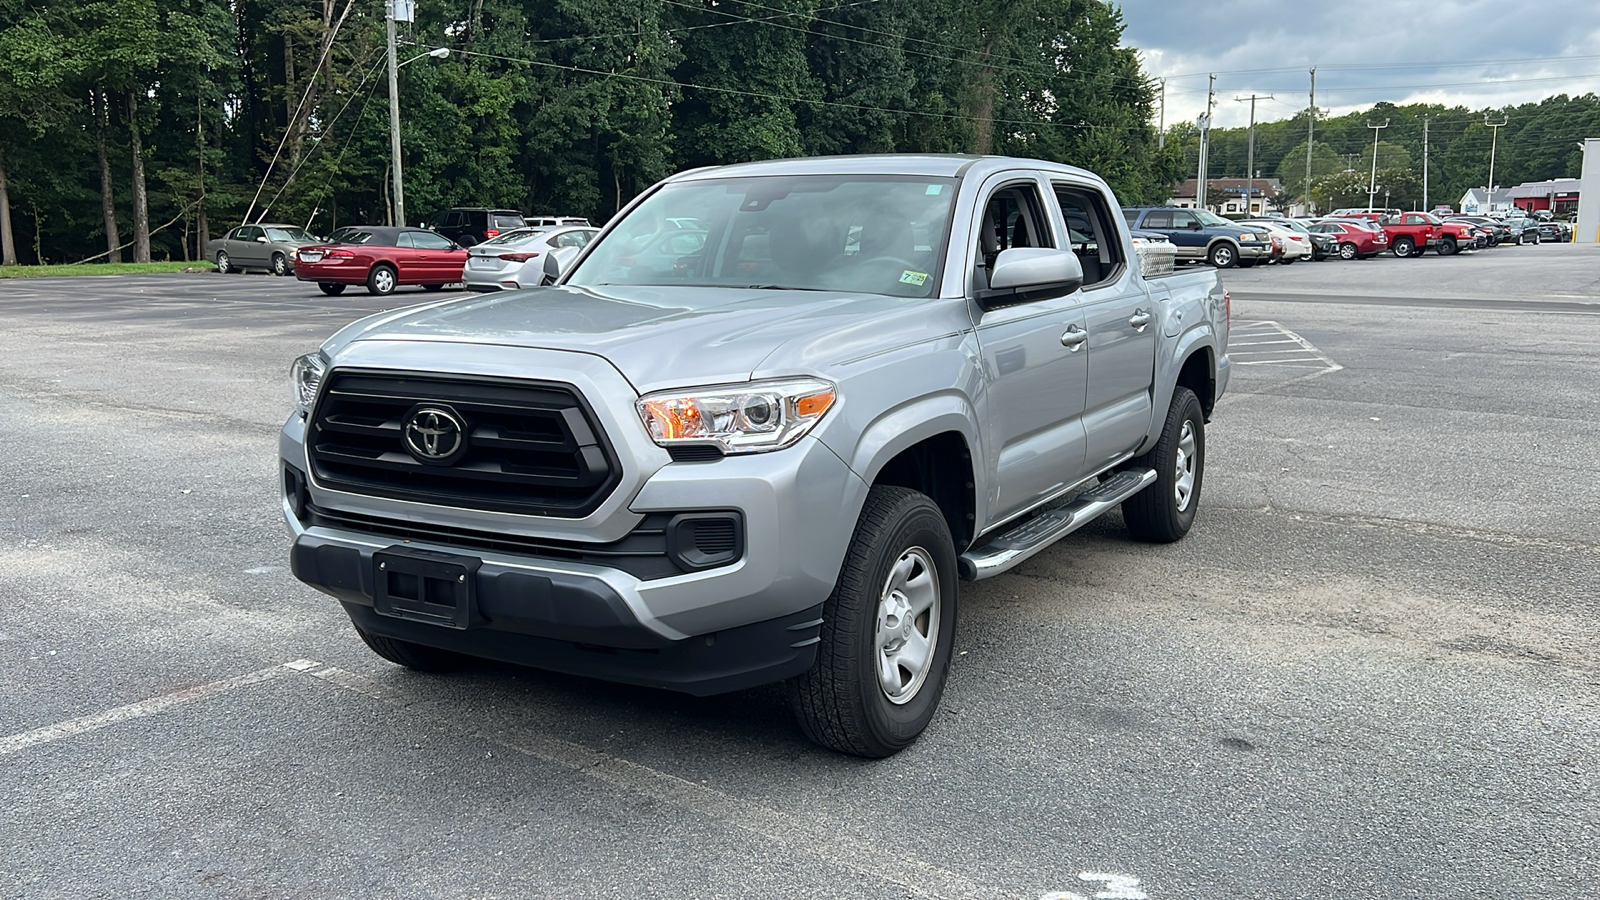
(778, 287)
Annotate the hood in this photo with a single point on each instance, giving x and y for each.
(673, 336)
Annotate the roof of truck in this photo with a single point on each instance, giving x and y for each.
(930, 165)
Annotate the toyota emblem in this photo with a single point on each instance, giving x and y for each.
(435, 434)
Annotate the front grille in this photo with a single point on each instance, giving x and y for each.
(529, 447)
(642, 553)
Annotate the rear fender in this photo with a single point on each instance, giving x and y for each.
(1170, 359)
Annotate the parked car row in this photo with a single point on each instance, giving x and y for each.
(1203, 236)
(383, 258)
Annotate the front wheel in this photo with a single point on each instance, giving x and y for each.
(280, 264)
(381, 281)
(1448, 247)
(331, 288)
(887, 631)
(1222, 256)
(1164, 511)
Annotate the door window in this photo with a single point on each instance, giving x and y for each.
(452, 219)
(248, 233)
(1090, 233)
(425, 241)
(1183, 219)
(1013, 217)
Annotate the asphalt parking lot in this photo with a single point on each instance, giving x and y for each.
(1369, 672)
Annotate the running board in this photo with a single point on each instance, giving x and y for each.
(1018, 544)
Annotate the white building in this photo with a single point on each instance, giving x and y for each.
(1482, 203)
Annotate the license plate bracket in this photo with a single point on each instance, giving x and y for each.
(426, 586)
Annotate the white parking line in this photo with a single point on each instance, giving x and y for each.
(84, 724)
(1279, 343)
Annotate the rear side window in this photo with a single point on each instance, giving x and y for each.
(452, 219)
(423, 240)
(403, 240)
(503, 222)
(1091, 233)
(1132, 215)
(1159, 218)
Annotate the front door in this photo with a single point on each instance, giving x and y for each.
(1034, 358)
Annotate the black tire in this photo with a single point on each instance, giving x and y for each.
(331, 288)
(1348, 250)
(280, 265)
(1155, 514)
(1245, 263)
(1448, 247)
(433, 287)
(382, 280)
(1286, 261)
(412, 656)
(1222, 255)
(1404, 247)
(841, 703)
(224, 263)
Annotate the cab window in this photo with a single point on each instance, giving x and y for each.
(424, 241)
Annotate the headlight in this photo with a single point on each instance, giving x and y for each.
(750, 418)
(305, 376)
(1248, 238)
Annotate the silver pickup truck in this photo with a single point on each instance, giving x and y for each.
(758, 431)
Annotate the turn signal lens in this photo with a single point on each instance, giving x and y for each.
(751, 418)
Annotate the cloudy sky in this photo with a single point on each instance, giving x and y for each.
(1472, 53)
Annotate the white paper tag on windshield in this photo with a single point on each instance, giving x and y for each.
(916, 278)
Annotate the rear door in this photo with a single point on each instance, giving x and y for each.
(1034, 357)
(1121, 320)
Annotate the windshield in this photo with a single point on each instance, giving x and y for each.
(289, 234)
(876, 234)
(1207, 217)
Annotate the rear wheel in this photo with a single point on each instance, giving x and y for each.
(1348, 250)
(1222, 255)
(332, 289)
(412, 656)
(1404, 247)
(224, 263)
(381, 280)
(1164, 511)
(887, 631)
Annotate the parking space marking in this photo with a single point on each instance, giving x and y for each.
(813, 837)
(1280, 347)
(85, 724)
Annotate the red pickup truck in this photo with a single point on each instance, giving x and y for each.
(1412, 233)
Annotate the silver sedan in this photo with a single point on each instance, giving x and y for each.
(261, 247)
(516, 259)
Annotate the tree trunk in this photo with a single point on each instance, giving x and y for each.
(108, 207)
(141, 203)
(8, 243)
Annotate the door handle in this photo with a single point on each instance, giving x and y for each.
(1139, 320)
(1073, 338)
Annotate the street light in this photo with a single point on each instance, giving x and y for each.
(436, 53)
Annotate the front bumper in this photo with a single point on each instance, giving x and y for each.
(1255, 251)
(693, 632)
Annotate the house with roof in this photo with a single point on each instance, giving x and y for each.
(1481, 202)
(1226, 196)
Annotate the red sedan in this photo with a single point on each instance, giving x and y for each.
(382, 258)
(1355, 242)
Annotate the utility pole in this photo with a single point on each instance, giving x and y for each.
(394, 115)
(1250, 155)
(1425, 207)
(1161, 130)
(1205, 141)
(1488, 189)
(1311, 136)
(1372, 183)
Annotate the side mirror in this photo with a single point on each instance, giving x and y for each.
(261, 240)
(1195, 226)
(1023, 270)
(557, 262)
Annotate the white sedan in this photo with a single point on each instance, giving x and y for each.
(1296, 244)
(516, 259)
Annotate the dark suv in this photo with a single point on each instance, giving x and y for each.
(1204, 236)
(469, 225)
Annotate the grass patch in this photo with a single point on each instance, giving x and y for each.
(103, 269)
